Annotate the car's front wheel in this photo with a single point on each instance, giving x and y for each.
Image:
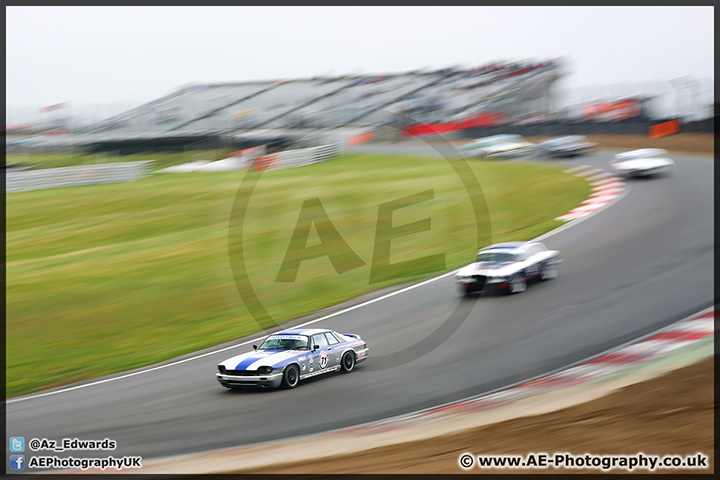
(291, 377)
(466, 289)
(348, 362)
(549, 271)
(518, 284)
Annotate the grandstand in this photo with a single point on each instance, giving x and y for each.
(367, 100)
(245, 110)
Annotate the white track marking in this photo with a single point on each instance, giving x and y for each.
(599, 176)
(584, 168)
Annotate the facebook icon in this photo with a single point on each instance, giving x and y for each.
(17, 462)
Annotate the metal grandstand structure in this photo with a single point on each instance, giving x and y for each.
(363, 101)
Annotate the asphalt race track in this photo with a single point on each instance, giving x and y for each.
(645, 261)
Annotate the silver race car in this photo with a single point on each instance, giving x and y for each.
(568, 146)
(508, 266)
(289, 356)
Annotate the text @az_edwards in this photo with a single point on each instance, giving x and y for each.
(69, 444)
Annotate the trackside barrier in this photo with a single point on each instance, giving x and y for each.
(75, 176)
(299, 157)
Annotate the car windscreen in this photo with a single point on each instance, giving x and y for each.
(508, 139)
(500, 257)
(285, 342)
(636, 156)
(482, 143)
(640, 154)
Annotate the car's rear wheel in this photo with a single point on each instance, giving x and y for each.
(549, 271)
(291, 377)
(518, 284)
(347, 363)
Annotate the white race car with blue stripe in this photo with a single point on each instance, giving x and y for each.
(287, 357)
(508, 266)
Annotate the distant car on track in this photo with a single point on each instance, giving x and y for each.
(644, 162)
(505, 146)
(289, 356)
(567, 146)
(508, 266)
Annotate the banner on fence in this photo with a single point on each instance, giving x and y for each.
(482, 119)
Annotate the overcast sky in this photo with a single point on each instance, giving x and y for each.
(124, 56)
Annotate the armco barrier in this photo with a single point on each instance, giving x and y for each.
(75, 176)
(299, 157)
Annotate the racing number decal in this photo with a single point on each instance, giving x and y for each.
(324, 359)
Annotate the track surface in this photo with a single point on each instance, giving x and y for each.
(642, 263)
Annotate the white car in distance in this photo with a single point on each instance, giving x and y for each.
(644, 162)
(502, 146)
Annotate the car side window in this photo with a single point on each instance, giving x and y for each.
(319, 339)
(331, 338)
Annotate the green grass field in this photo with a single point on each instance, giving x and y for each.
(106, 278)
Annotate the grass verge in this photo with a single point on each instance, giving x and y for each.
(105, 278)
